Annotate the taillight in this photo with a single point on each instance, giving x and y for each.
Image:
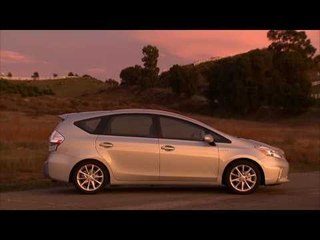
(55, 140)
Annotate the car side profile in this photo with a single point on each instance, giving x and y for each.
(93, 150)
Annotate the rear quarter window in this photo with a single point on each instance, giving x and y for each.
(89, 125)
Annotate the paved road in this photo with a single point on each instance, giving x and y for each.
(303, 192)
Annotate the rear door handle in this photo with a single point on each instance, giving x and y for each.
(106, 145)
(168, 148)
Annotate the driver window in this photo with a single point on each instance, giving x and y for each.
(179, 129)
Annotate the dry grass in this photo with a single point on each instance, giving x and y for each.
(24, 136)
(23, 145)
(26, 123)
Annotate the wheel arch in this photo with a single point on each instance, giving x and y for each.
(72, 172)
(247, 159)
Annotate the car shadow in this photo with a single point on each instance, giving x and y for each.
(171, 188)
(272, 190)
(147, 189)
(164, 189)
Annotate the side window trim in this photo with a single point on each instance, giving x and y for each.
(214, 133)
(191, 123)
(177, 119)
(101, 127)
(95, 132)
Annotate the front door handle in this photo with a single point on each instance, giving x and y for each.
(106, 145)
(167, 148)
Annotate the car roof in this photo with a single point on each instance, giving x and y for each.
(92, 114)
(80, 115)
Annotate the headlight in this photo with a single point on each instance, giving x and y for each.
(269, 152)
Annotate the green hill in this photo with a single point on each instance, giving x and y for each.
(67, 87)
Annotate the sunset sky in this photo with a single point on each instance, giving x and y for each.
(105, 53)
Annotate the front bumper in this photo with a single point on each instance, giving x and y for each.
(283, 175)
(276, 171)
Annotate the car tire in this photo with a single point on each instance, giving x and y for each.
(242, 177)
(90, 177)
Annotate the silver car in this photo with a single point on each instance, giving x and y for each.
(93, 150)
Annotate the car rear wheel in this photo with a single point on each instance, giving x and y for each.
(90, 177)
(243, 177)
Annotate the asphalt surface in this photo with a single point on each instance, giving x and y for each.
(302, 192)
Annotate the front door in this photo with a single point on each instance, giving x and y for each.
(184, 156)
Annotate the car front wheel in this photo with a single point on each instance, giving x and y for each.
(243, 177)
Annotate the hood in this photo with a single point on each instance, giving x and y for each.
(255, 143)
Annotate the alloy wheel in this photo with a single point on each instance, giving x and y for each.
(243, 178)
(90, 177)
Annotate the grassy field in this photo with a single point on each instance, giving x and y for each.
(26, 123)
(23, 145)
(69, 87)
(23, 141)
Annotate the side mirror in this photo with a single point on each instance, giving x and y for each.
(208, 138)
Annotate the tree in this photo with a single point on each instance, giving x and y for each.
(111, 82)
(150, 61)
(183, 80)
(9, 74)
(70, 74)
(291, 41)
(239, 85)
(55, 75)
(131, 75)
(86, 76)
(290, 82)
(35, 75)
(316, 60)
(164, 80)
(146, 76)
(292, 60)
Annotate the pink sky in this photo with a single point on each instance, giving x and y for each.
(104, 53)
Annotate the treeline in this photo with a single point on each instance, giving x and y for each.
(275, 78)
(182, 79)
(260, 78)
(23, 89)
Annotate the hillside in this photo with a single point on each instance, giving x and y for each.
(24, 149)
(88, 94)
(67, 87)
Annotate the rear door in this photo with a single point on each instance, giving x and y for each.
(131, 147)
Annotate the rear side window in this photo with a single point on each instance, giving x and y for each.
(89, 125)
(134, 125)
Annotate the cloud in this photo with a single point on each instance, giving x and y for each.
(197, 44)
(192, 45)
(14, 57)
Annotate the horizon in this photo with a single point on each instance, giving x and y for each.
(104, 53)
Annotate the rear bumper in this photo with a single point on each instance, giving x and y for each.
(58, 167)
(45, 169)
